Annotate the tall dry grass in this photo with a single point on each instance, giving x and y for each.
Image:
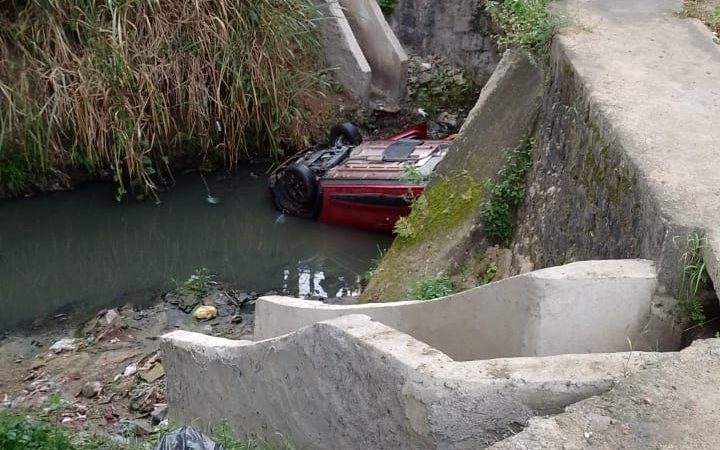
(132, 86)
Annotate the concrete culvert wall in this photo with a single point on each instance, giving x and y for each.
(351, 383)
(587, 307)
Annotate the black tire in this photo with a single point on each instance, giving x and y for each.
(345, 134)
(300, 184)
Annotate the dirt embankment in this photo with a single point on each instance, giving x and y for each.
(106, 373)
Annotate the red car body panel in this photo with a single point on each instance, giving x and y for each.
(375, 182)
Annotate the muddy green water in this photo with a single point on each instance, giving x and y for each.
(81, 251)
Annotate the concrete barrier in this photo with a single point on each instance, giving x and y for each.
(584, 307)
(380, 46)
(351, 383)
(342, 51)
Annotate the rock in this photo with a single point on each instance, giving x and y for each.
(237, 318)
(64, 345)
(111, 316)
(130, 370)
(207, 329)
(159, 413)
(142, 427)
(91, 389)
(205, 312)
(156, 372)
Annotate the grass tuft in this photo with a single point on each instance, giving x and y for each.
(693, 277)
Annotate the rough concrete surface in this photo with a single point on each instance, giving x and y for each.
(503, 116)
(351, 383)
(628, 142)
(459, 31)
(342, 51)
(381, 48)
(673, 404)
(586, 307)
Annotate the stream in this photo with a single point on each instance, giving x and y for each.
(81, 251)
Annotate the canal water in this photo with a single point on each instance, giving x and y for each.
(82, 251)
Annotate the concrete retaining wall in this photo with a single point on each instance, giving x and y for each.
(381, 48)
(356, 384)
(588, 307)
(341, 50)
(503, 116)
(457, 30)
(626, 164)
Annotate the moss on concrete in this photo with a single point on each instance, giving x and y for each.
(437, 218)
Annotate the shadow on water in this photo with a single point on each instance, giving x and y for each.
(82, 251)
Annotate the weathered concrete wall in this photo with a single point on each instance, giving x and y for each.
(356, 384)
(641, 412)
(504, 115)
(587, 307)
(458, 30)
(627, 155)
(381, 48)
(341, 50)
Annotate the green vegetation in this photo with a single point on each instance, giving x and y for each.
(19, 432)
(132, 88)
(198, 282)
(444, 88)
(706, 10)
(442, 206)
(523, 24)
(506, 193)
(488, 275)
(387, 6)
(374, 264)
(693, 276)
(428, 288)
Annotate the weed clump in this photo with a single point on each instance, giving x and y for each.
(524, 24)
(693, 276)
(428, 288)
(507, 193)
(128, 88)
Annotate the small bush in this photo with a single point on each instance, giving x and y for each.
(19, 433)
(198, 282)
(428, 288)
(387, 6)
(506, 194)
(523, 24)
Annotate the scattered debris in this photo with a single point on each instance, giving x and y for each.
(186, 438)
(92, 389)
(64, 345)
(153, 373)
(205, 312)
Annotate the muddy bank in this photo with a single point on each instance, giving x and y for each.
(106, 372)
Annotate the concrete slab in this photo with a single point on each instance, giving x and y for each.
(352, 383)
(381, 48)
(342, 52)
(653, 79)
(668, 405)
(585, 307)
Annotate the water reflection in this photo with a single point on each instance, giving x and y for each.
(81, 249)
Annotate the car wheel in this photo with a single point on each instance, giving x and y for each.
(300, 184)
(344, 134)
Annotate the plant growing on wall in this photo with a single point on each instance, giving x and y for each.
(387, 6)
(506, 194)
(523, 24)
(693, 276)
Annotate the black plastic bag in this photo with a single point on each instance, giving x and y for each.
(186, 438)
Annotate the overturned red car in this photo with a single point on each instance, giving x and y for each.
(358, 184)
